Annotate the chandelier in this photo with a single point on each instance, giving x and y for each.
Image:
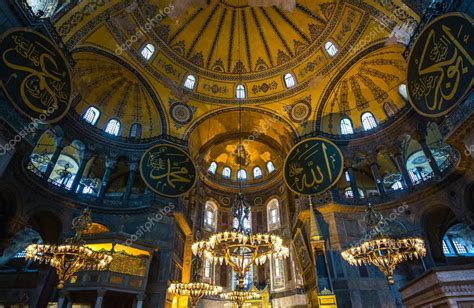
(240, 297)
(381, 249)
(71, 257)
(194, 290)
(238, 248)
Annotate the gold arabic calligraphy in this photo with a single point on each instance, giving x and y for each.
(439, 83)
(44, 86)
(167, 170)
(311, 176)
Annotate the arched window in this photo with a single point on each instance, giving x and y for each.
(112, 127)
(270, 167)
(457, 241)
(212, 168)
(207, 269)
(402, 90)
(42, 8)
(135, 130)
(331, 49)
(148, 51)
(289, 80)
(91, 115)
(240, 92)
(248, 221)
(397, 185)
(273, 214)
(210, 216)
(348, 176)
(346, 126)
(226, 173)
(390, 109)
(257, 173)
(247, 278)
(190, 82)
(368, 121)
(349, 194)
(235, 223)
(241, 175)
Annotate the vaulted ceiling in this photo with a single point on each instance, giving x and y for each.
(228, 42)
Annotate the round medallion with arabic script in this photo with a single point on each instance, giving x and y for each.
(313, 166)
(35, 75)
(168, 170)
(440, 65)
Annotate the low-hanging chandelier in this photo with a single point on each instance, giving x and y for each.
(381, 249)
(71, 257)
(240, 297)
(194, 290)
(239, 248)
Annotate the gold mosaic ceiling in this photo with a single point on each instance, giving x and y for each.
(225, 43)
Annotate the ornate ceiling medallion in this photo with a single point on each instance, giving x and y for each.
(300, 111)
(181, 113)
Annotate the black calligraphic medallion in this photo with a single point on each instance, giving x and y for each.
(313, 166)
(168, 170)
(440, 65)
(35, 75)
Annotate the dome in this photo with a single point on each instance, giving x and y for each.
(191, 62)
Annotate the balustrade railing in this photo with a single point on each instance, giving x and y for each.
(110, 200)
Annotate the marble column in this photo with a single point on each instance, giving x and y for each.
(354, 187)
(78, 177)
(139, 299)
(100, 298)
(53, 161)
(5, 155)
(109, 165)
(62, 298)
(374, 167)
(427, 151)
(403, 170)
(131, 179)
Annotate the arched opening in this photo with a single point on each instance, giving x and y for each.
(91, 115)
(346, 126)
(210, 216)
(240, 92)
(273, 215)
(330, 48)
(368, 121)
(148, 51)
(458, 244)
(212, 168)
(48, 225)
(289, 80)
(436, 223)
(190, 82)
(112, 127)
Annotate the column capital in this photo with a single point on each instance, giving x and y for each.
(101, 292)
(110, 163)
(63, 293)
(134, 166)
